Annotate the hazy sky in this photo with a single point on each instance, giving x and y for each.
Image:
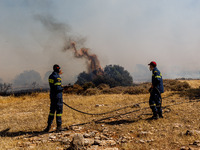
(124, 32)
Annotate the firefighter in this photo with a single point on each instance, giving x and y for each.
(56, 89)
(156, 90)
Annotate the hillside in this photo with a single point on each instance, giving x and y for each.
(23, 118)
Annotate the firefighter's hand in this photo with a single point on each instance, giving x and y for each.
(150, 90)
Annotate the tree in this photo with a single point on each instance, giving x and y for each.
(4, 87)
(84, 78)
(114, 75)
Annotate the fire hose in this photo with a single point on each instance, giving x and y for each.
(131, 106)
(98, 114)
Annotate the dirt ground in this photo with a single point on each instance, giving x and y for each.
(22, 116)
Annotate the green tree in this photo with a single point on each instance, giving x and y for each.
(114, 75)
(83, 78)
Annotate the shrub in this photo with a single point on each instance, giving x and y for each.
(136, 90)
(103, 86)
(88, 85)
(175, 85)
(92, 91)
(76, 89)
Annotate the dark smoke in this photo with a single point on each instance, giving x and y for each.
(69, 40)
(93, 63)
(59, 29)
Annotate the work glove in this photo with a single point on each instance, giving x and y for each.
(150, 90)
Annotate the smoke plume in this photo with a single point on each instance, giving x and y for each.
(63, 30)
(93, 63)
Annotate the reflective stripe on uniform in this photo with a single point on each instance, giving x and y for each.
(57, 83)
(50, 114)
(153, 105)
(58, 115)
(59, 79)
(51, 81)
(157, 76)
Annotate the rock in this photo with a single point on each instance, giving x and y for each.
(111, 142)
(52, 137)
(66, 141)
(177, 125)
(136, 106)
(67, 134)
(99, 105)
(103, 137)
(97, 138)
(123, 141)
(183, 148)
(67, 147)
(44, 141)
(148, 141)
(192, 132)
(100, 142)
(77, 142)
(141, 141)
(97, 142)
(32, 146)
(93, 147)
(103, 143)
(89, 135)
(88, 142)
(75, 128)
(86, 135)
(144, 134)
(196, 143)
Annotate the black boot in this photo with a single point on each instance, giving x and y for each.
(154, 117)
(47, 128)
(59, 128)
(161, 116)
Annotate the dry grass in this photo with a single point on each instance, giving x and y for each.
(29, 113)
(193, 83)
